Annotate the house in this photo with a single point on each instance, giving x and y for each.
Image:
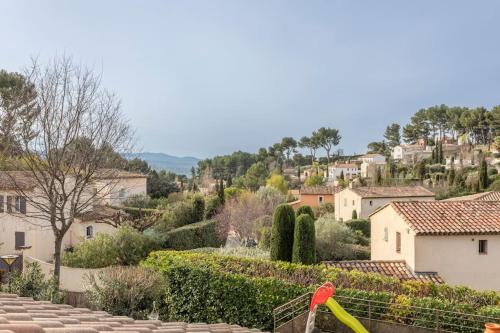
(370, 163)
(24, 228)
(349, 170)
(315, 195)
(484, 196)
(413, 153)
(365, 200)
(459, 240)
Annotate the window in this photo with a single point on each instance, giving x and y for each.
(89, 232)
(398, 242)
(1, 204)
(386, 234)
(20, 205)
(19, 239)
(121, 194)
(353, 202)
(320, 199)
(483, 246)
(371, 203)
(345, 202)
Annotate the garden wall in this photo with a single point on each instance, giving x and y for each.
(72, 279)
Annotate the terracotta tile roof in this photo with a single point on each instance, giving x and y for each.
(392, 191)
(485, 196)
(117, 173)
(391, 268)
(10, 180)
(99, 213)
(474, 217)
(320, 189)
(23, 314)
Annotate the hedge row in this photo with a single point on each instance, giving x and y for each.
(195, 235)
(316, 274)
(210, 288)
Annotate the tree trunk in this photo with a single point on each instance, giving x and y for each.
(57, 259)
(327, 163)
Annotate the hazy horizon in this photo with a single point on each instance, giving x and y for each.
(205, 78)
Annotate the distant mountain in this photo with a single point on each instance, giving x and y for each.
(160, 161)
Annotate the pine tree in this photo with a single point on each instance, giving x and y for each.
(304, 240)
(282, 233)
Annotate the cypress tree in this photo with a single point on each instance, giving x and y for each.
(305, 210)
(354, 215)
(229, 181)
(282, 233)
(451, 176)
(198, 208)
(304, 241)
(220, 192)
(378, 176)
(483, 175)
(342, 175)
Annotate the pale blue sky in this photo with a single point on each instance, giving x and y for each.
(209, 77)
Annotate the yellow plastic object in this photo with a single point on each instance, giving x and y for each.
(344, 316)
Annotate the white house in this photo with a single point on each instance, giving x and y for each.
(349, 170)
(370, 163)
(24, 228)
(365, 200)
(459, 240)
(411, 153)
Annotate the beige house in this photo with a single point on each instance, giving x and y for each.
(366, 200)
(459, 240)
(370, 163)
(24, 229)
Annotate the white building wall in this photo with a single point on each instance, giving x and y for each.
(457, 259)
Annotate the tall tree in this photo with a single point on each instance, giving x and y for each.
(71, 105)
(483, 174)
(327, 138)
(312, 144)
(289, 145)
(392, 135)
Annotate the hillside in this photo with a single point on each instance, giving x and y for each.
(161, 161)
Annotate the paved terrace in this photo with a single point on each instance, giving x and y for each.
(24, 315)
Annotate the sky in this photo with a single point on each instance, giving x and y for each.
(208, 77)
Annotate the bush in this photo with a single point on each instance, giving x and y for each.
(200, 234)
(282, 233)
(264, 241)
(211, 288)
(304, 251)
(305, 210)
(198, 208)
(31, 282)
(363, 226)
(323, 209)
(278, 182)
(212, 206)
(181, 213)
(336, 241)
(354, 214)
(126, 291)
(126, 247)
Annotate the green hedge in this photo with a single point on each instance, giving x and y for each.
(211, 288)
(195, 235)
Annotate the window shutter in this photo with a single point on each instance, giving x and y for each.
(1, 204)
(398, 242)
(23, 205)
(9, 204)
(19, 239)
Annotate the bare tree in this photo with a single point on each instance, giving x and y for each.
(139, 219)
(76, 126)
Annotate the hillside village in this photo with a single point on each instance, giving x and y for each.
(420, 208)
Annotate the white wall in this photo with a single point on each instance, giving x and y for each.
(457, 259)
(382, 249)
(130, 187)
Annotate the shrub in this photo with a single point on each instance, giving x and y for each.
(278, 182)
(304, 251)
(233, 192)
(336, 241)
(31, 282)
(323, 209)
(354, 214)
(198, 208)
(126, 291)
(200, 234)
(305, 210)
(126, 247)
(270, 197)
(212, 206)
(282, 233)
(264, 241)
(362, 226)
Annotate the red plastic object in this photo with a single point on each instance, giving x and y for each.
(322, 294)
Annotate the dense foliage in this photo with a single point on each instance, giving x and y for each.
(245, 291)
(195, 235)
(305, 210)
(282, 233)
(304, 249)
